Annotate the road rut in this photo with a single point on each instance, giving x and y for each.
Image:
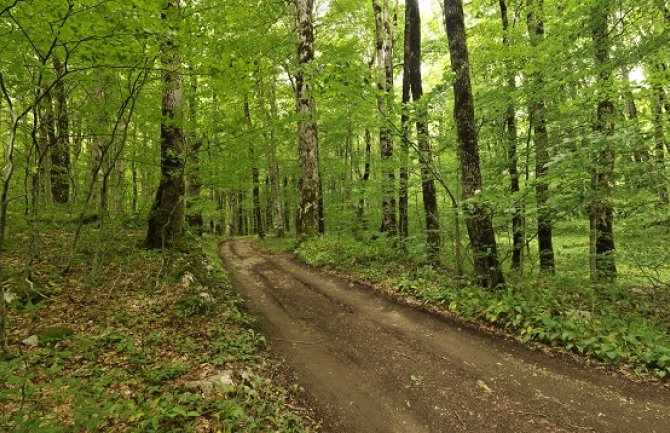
(369, 364)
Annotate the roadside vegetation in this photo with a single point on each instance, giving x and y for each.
(150, 341)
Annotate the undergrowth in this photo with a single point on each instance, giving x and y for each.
(138, 333)
(617, 324)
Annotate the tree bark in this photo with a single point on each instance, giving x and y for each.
(310, 220)
(364, 178)
(518, 235)
(403, 197)
(413, 58)
(167, 214)
(384, 58)
(277, 211)
(659, 141)
(194, 186)
(541, 137)
(477, 216)
(60, 152)
(601, 210)
(255, 176)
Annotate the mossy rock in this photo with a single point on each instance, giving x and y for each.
(48, 336)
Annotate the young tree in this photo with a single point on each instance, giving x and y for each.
(255, 174)
(167, 214)
(477, 215)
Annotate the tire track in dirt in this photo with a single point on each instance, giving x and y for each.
(371, 365)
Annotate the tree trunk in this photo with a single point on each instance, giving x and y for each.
(602, 214)
(384, 104)
(403, 198)
(413, 57)
(43, 150)
(659, 141)
(309, 214)
(541, 138)
(360, 213)
(477, 215)
(518, 235)
(277, 211)
(255, 176)
(167, 214)
(60, 152)
(194, 186)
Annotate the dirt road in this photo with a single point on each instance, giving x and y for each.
(370, 365)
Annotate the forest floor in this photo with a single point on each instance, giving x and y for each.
(371, 364)
(131, 340)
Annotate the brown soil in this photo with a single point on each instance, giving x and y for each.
(369, 364)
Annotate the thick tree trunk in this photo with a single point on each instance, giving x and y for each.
(384, 103)
(518, 235)
(194, 186)
(167, 214)
(403, 198)
(60, 152)
(601, 211)
(413, 58)
(477, 215)
(541, 139)
(309, 215)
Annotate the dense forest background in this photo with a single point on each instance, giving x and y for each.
(525, 146)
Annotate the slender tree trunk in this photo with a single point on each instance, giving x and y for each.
(255, 177)
(518, 235)
(477, 216)
(413, 58)
(601, 210)
(310, 220)
(277, 211)
(541, 138)
(362, 219)
(659, 142)
(167, 214)
(133, 167)
(9, 165)
(384, 103)
(194, 186)
(60, 152)
(241, 214)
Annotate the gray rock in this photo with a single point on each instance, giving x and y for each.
(207, 298)
(217, 382)
(187, 280)
(10, 296)
(32, 341)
